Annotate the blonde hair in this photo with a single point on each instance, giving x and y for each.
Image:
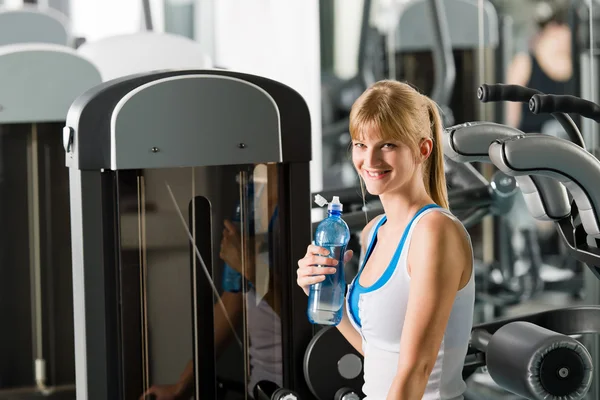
(400, 113)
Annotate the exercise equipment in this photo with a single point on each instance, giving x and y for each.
(252, 121)
(570, 281)
(266, 390)
(414, 34)
(329, 351)
(32, 24)
(39, 82)
(549, 103)
(515, 93)
(575, 168)
(449, 30)
(123, 55)
(535, 362)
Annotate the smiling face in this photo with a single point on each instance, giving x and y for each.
(397, 141)
(387, 165)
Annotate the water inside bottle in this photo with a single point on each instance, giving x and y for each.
(327, 297)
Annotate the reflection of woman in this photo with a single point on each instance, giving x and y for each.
(261, 302)
(547, 66)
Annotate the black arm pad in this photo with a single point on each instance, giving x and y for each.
(537, 363)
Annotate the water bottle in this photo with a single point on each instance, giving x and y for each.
(326, 298)
(232, 279)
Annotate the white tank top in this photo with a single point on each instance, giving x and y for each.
(264, 331)
(381, 310)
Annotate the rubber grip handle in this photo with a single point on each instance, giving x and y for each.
(549, 103)
(503, 92)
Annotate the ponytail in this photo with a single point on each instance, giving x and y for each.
(435, 176)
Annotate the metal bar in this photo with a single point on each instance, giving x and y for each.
(362, 44)
(480, 338)
(445, 69)
(179, 17)
(35, 256)
(147, 11)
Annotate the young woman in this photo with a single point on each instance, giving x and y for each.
(409, 310)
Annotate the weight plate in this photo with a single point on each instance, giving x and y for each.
(331, 363)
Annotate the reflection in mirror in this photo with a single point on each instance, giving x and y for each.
(199, 256)
(248, 251)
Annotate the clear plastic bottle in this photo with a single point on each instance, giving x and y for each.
(232, 279)
(326, 298)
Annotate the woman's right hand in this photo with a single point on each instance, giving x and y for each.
(309, 271)
(163, 392)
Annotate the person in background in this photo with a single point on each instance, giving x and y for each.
(547, 66)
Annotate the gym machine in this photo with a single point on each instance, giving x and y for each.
(139, 52)
(193, 164)
(585, 22)
(117, 334)
(39, 82)
(578, 171)
(30, 24)
(449, 32)
(570, 165)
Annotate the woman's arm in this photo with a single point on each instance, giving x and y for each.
(439, 257)
(347, 330)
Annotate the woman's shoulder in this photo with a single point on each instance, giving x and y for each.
(440, 236)
(440, 225)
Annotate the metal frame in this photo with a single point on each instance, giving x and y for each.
(39, 81)
(94, 223)
(413, 35)
(30, 24)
